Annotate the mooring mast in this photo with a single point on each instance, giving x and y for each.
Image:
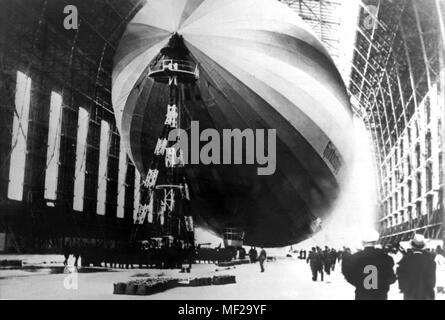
(169, 199)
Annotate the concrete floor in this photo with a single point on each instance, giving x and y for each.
(283, 279)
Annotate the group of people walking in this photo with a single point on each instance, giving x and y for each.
(373, 270)
(322, 261)
(127, 255)
(253, 257)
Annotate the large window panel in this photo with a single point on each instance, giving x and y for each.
(53, 151)
(19, 134)
(81, 157)
(121, 181)
(103, 167)
(137, 193)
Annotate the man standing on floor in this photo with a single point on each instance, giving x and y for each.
(417, 272)
(252, 255)
(327, 260)
(66, 253)
(315, 261)
(262, 258)
(311, 259)
(370, 271)
(333, 257)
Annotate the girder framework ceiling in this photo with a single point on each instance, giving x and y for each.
(395, 64)
(398, 60)
(323, 17)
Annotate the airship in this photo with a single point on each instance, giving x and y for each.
(260, 68)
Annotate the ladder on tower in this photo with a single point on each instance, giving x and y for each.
(164, 153)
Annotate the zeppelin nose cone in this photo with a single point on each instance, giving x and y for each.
(260, 68)
(175, 49)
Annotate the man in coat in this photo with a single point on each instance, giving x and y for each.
(417, 272)
(370, 271)
(262, 258)
(66, 253)
(252, 255)
(333, 257)
(327, 260)
(315, 260)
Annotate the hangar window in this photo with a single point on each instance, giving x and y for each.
(53, 151)
(408, 161)
(429, 177)
(402, 196)
(105, 138)
(401, 149)
(121, 181)
(440, 199)
(396, 200)
(427, 110)
(410, 191)
(428, 145)
(441, 168)
(429, 205)
(137, 194)
(81, 157)
(19, 134)
(439, 130)
(390, 205)
(417, 156)
(419, 185)
(418, 209)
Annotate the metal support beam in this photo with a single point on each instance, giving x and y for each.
(422, 45)
(440, 6)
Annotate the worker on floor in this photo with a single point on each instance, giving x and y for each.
(315, 260)
(262, 258)
(327, 260)
(66, 253)
(440, 270)
(370, 271)
(417, 272)
(252, 255)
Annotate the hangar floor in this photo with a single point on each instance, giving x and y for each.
(285, 279)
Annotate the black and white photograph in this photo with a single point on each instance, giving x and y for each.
(222, 154)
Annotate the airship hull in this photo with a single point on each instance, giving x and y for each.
(255, 74)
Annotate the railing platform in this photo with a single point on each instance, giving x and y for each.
(164, 70)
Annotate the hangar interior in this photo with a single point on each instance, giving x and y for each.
(64, 174)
